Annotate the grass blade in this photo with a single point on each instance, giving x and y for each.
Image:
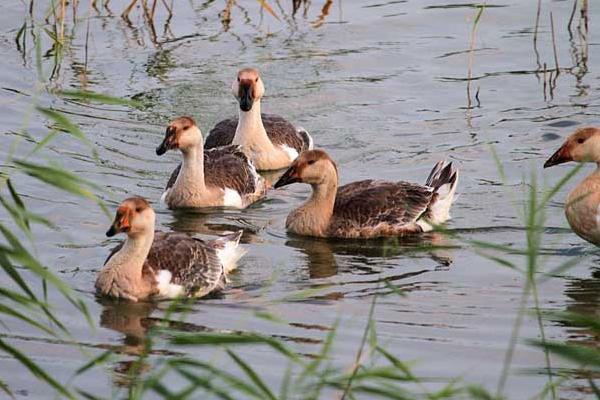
(252, 375)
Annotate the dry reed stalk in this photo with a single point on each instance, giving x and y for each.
(571, 17)
(472, 42)
(554, 45)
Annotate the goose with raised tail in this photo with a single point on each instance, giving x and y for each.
(160, 265)
(221, 177)
(582, 207)
(368, 208)
(268, 140)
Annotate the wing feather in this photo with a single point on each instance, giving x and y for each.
(368, 203)
(192, 262)
(279, 130)
(226, 167)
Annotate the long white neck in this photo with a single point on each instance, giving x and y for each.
(131, 257)
(250, 129)
(191, 176)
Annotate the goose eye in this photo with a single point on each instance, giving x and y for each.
(139, 209)
(580, 140)
(256, 80)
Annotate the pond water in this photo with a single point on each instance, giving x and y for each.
(382, 86)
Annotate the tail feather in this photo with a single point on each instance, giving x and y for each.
(228, 250)
(443, 179)
(306, 138)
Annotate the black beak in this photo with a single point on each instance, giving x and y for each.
(167, 143)
(290, 176)
(246, 99)
(561, 156)
(112, 231)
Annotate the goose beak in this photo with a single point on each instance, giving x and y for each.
(290, 176)
(168, 143)
(245, 95)
(120, 224)
(561, 155)
(112, 231)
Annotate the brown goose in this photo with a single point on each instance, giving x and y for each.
(213, 178)
(582, 208)
(369, 208)
(268, 140)
(152, 264)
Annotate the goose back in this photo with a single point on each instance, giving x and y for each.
(364, 206)
(226, 167)
(192, 264)
(279, 131)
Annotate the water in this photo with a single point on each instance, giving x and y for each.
(381, 86)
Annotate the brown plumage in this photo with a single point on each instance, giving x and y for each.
(269, 141)
(369, 204)
(279, 131)
(152, 264)
(192, 262)
(225, 167)
(217, 177)
(369, 208)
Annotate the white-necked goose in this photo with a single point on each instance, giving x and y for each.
(213, 178)
(270, 141)
(151, 264)
(369, 208)
(583, 203)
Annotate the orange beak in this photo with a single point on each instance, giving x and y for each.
(120, 224)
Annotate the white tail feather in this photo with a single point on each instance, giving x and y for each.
(229, 251)
(444, 179)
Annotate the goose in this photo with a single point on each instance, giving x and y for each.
(221, 177)
(582, 207)
(270, 141)
(161, 265)
(368, 208)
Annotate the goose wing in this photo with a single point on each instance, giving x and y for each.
(192, 264)
(279, 130)
(369, 203)
(229, 167)
(226, 167)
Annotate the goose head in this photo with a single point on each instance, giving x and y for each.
(248, 88)
(313, 167)
(182, 133)
(134, 216)
(582, 146)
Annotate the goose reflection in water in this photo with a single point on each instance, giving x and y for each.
(321, 253)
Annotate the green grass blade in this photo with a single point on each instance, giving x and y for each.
(97, 97)
(16, 314)
(35, 369)
(101, 359)
(252, 375)
(64, 124)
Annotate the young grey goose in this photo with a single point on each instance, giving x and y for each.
(369, 208)
(582, 207)
(221, 177)
(161, 265)
(268, 140)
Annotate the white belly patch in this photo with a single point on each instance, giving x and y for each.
(231, 198)
(165, 287)
(291, 152)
